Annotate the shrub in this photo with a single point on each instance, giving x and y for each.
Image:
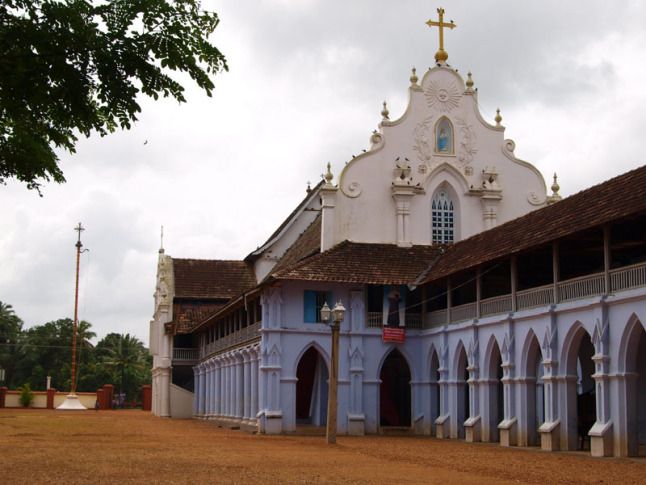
(26, 396)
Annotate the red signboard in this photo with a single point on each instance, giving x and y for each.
(394, 334)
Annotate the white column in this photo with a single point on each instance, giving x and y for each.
(227, 386)
(232, 386)
(239, 386)
(201, 400)
(196, 388)
(247, 384)
(216, 387)
(255, 361)
(214, 392)
(165, 392)
(209, 389)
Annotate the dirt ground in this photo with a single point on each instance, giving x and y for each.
(40, 446)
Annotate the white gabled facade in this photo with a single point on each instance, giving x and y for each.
(385, 195)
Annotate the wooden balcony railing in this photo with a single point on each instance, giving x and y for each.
(236, 339)
(185, 355)
(535, 297)
(626, 278)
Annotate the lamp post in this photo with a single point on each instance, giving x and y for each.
(334, 318)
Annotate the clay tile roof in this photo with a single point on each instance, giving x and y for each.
(307, 244)
(619, 197)
(350, 262)
(211, 279)
(282, 226)
(188, 314)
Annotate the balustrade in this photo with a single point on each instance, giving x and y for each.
(535, 297)
(375, 319)
(463, 312)
(628, 277)
(185, 354)
(497, 304)
(242, 336)
(581, 287)
(625, 278)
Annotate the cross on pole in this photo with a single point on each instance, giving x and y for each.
(441, 55)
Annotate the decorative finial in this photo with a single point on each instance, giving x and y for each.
(384, 112)
(441, 55)
(469, 82)
(498, 118)
(555, 197)
(161, 243)
(413, 77)
(328, 175)
(555, 185)
(309, 187)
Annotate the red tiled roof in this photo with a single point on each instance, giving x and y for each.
(252, 257)
(307, 244)
(619, 197)
(350, 262)
(203, 279)
(188, 314)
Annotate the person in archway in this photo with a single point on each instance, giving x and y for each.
(394, 297)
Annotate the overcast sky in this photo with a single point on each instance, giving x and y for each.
(305, 86)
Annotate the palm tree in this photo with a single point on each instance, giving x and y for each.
(125, 355)
(10, 348)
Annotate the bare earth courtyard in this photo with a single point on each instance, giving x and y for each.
(39, 446)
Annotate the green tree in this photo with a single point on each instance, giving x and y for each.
(70, 67)
(127, 358)
(48, 352)
(11, 352)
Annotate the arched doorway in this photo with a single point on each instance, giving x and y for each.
(535, 401)
(434, 379)
(311, 389)
(462, 376)
(495, 397)
(394, 391)
(581, 397)
(636, 390)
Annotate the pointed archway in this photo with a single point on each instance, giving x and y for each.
(394, 391)
(434, 380)
(580, 391)
(534, 393)
(495, 394)
(462, 390)
(635, 371)
(311, 389)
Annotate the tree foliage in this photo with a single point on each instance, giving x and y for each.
(70, 67)
(10, 348)
(125, 357)
(29, 356)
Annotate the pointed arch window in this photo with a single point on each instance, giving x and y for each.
(444, 136)
(443, 218)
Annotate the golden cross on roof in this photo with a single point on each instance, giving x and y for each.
(441, 55)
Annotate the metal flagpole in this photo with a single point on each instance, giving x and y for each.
(72, 401)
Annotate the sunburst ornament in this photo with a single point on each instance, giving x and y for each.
(442, 97)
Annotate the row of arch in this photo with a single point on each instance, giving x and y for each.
(577, 365)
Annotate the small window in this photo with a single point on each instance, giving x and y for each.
(442, 223)
(444, 137)
(313, 302)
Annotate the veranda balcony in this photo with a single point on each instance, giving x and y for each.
(620, 279)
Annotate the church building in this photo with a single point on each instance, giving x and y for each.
(478, 304)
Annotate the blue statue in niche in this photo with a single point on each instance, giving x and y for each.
(444, 142)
